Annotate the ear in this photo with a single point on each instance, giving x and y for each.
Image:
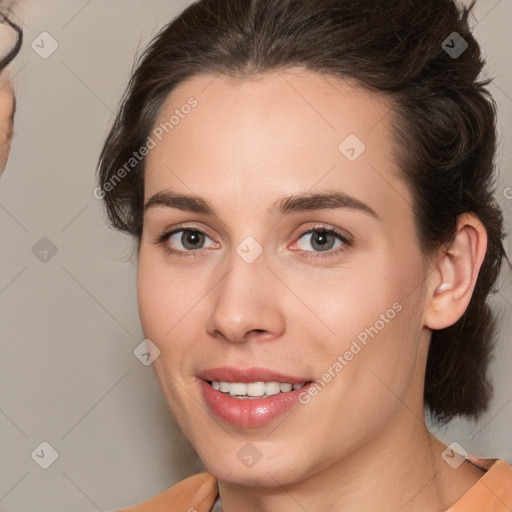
(451, 283)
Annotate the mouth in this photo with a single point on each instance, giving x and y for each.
(250, 397)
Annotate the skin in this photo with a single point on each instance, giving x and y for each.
(361, 444)
(7, 108)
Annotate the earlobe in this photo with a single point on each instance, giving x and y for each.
(453, 280)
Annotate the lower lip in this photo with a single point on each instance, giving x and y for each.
(249, 412)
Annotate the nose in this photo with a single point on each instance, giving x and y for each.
(246, 303)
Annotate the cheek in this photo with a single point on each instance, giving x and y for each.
(160, 312)
(388, 335)
(164, 297)
(373, 322)
(350, 302)
(150, 291)
(161, 305)
(171, 309)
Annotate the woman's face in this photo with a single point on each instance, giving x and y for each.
(250, 294)
(6, 116)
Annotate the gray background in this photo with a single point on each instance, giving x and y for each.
(69, 325)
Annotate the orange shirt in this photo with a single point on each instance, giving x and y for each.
(492, 493)
(198, 493)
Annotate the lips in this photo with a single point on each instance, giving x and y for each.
(249, 411)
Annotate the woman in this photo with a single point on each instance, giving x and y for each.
(309, 183)
(10, 43)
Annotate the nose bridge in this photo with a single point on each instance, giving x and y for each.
(245, 299)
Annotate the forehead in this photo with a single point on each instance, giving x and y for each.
(276, 134)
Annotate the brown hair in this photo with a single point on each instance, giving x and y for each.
(445, 132)
(5, 12)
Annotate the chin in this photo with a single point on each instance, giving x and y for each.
(239, 462)
(257, 476)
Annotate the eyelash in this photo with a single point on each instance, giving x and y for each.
(164, 238)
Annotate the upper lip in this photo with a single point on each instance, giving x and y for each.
(253, 374)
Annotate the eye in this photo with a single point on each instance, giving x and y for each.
(190, 242)
(183, 241)
(322, 239)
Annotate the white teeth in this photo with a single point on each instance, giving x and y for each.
(238, 388)
(272, 388)
(254, 389)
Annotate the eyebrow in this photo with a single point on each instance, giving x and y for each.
(284, 206)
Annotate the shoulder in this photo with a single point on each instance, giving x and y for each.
(196, 493)
(492, 493)
(499, 475)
